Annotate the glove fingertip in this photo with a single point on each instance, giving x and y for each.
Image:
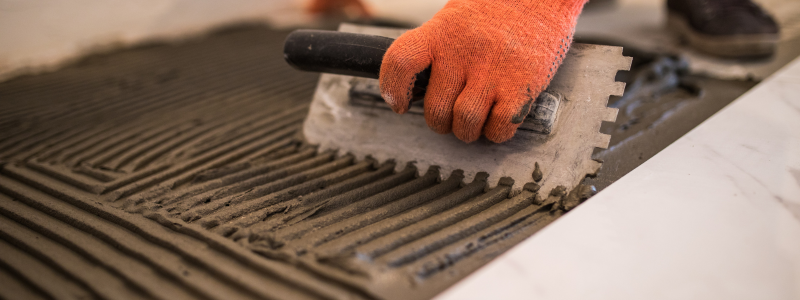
(507, 115)
(407, 57)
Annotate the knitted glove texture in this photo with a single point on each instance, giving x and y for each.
(489, 60)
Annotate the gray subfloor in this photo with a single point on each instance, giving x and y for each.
(178, 172)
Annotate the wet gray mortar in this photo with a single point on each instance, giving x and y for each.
(178, 172)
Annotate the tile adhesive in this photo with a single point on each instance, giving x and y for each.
(180, 172)
(367, 128)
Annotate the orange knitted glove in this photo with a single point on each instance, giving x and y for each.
(489, 60)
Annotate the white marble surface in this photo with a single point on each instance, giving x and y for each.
(716, 215)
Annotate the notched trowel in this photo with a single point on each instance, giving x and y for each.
(349, 115)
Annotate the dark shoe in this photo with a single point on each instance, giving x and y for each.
(729, 28)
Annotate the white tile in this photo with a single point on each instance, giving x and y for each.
(716, 215)
(789, 75)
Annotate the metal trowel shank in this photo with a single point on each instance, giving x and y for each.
(347, 114)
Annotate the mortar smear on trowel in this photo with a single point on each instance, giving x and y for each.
(577, 105)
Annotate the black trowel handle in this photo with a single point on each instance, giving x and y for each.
(342, 53)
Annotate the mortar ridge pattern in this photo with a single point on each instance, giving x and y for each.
(179, 172)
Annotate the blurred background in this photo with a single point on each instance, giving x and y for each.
(41, 35)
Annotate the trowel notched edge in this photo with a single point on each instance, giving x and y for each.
(581, 87)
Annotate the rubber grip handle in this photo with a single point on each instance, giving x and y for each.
(343, 53)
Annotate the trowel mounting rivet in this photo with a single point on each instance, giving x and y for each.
(537, 173)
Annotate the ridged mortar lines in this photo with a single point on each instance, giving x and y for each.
(347, 210)
(403, 220)
(43, 280)
(383, 244)
(99, 280)
(28, 142)
(500, 232)
(185, 245)
(177, 200)
(164, 261)
(154, 163)
(238, 212)
(211, 208)
(381, 212)
(311, 206)
(15, 288)
(308, 197)
(123, 266)
(28, 138)
(15, 142)
(255, 187)
(420, 247)
(204, 59)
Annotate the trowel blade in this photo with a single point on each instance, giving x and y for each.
(364, 128)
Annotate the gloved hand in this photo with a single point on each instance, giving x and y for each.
(489, 60)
